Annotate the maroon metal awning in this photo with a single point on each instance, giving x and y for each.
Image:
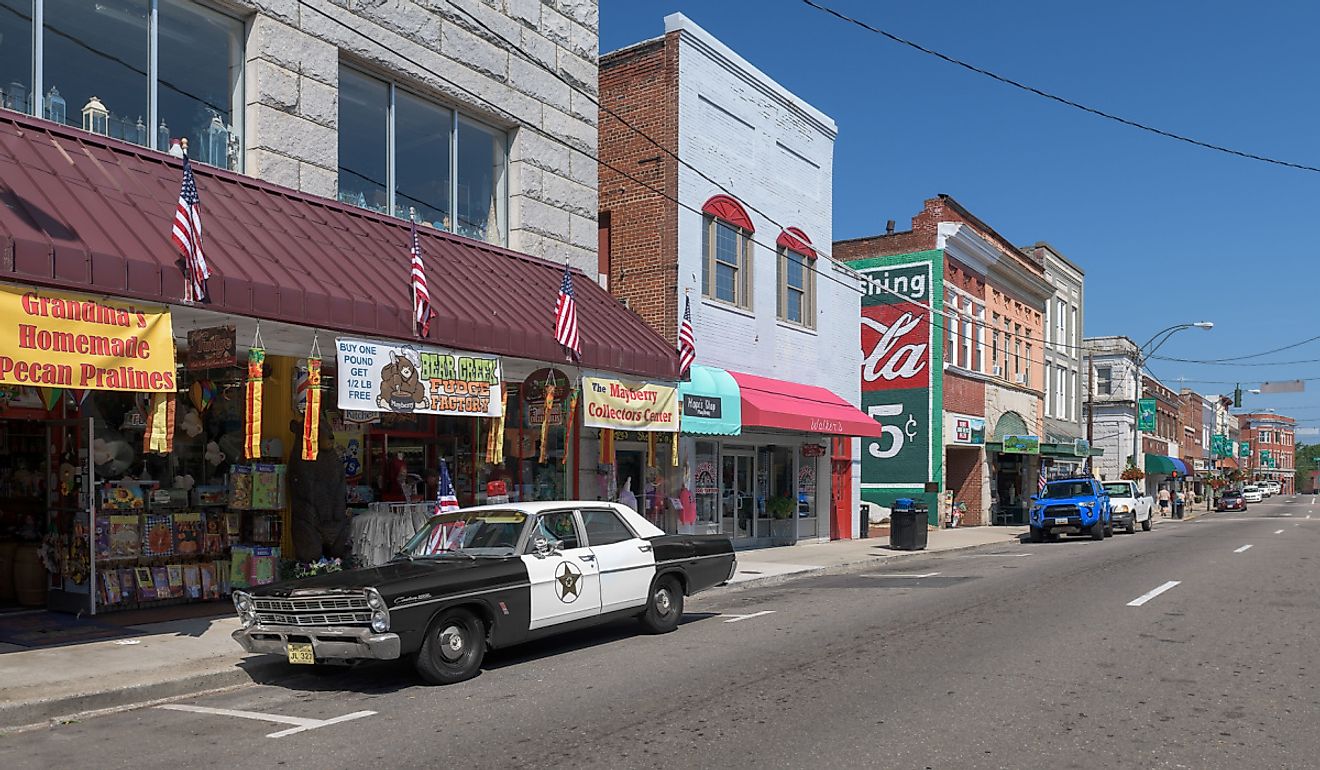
(80, 211)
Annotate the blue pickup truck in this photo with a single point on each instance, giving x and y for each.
(1076, 506)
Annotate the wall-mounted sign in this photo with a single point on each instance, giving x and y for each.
(1081, 447)
(965, 429)
(1146, 414)
(58, 340)
(533, 388)
(1022, 445)
(212, 348)
(629, 404)
(706, 407)
(403, 379)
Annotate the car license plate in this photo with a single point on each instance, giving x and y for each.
(301, 653)
(1061, 520)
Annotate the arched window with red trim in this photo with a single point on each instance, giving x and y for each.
(726, 247)
(797, 278)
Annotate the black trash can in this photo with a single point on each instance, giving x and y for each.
(1178, 509)
(907, 526)
(864, 526)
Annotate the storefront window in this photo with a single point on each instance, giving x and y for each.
(364, 109)
(199, 83)
(453, 179)
(706, 487)
(97, 73)
(423, 132)
(481, 156)
(16, 55)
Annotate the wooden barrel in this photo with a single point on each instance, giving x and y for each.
(7, 571)
(29, 577)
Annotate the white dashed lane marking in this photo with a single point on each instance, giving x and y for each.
(1243, 548)
(736, 618)
(1278, 532)
(1140, 600)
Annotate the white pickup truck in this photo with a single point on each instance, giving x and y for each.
(1129, 506)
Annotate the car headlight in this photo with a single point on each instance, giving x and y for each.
(380, 621)
(374, 600)
(247, 611)
(1120, 509)
(1087, 505)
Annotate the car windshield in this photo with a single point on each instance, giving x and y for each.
(1119, 490)
(1250, 489)
(1232, 493)
(468, 533)
(1067, 489)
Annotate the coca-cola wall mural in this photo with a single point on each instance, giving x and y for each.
(901, 382)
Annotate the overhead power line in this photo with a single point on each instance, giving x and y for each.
(1055, 97)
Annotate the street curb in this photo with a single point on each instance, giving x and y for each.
(36, 714)
(28, 715)
(844, 568)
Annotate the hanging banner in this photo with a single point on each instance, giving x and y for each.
(57, 340)
(630, 405)
(1146, 414)
(408, 379)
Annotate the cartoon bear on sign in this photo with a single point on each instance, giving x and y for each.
(401, 387)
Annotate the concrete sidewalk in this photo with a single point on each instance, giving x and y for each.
(166, 660)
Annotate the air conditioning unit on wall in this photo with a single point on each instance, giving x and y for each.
(1020, 379)
(997, 371)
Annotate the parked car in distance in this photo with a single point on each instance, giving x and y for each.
(1071, 506)
(1252, 494)
(1271, 488)
(486, 577)
(1130, 506)
(1231, 500)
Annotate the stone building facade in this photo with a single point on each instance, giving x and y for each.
(295, 53)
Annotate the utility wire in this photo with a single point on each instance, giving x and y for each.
(1054, 97)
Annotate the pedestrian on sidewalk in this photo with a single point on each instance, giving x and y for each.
(1164, 501)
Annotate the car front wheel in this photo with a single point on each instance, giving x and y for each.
(454, 647)
(665, 607)
(1098, 530)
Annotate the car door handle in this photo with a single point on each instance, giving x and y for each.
(587, 557)
(644, 548)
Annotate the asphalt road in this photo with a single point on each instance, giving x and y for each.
(1007, 657)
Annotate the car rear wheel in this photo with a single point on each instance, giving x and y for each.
(453, 649)
(665, 607)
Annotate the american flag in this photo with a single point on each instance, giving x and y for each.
(566, 323)
(1040, 482)
(187, 235)
(687, 343)
(445, 502)
(422, 310)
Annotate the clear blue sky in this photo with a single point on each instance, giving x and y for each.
(1166, 232)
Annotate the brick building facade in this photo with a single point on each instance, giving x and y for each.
(1273, 443)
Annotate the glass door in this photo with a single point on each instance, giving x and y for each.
(737, 503)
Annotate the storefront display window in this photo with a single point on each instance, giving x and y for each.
(97, 74)
(706, 487)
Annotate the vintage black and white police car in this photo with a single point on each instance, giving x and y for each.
(486, 577)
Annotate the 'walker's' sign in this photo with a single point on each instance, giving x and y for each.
(385, 377)
(56, 340)
(626, 405)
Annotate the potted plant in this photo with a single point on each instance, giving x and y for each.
(783, 528)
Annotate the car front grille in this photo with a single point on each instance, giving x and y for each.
(1061, 510)
(337, 610)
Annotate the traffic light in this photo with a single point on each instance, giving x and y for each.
(1237, 397)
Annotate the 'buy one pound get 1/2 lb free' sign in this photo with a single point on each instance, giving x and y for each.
(377, 376)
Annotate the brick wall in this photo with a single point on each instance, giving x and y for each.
(964, 395)
(965, 476)
(640, 83)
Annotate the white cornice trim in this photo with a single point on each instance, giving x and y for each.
(1024, 285)
(965, 245)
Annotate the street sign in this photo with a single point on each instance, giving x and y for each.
(1022, 445)
(1146, 414)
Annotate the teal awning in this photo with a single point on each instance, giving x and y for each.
(1163, 464)
(710, 403)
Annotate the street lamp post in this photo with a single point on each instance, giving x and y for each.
(1143, 355)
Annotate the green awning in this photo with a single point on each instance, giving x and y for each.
(1163, 464)
(710, 402)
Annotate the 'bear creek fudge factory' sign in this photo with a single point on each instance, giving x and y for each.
(406, 379)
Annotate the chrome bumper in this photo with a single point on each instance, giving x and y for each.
(328, 642)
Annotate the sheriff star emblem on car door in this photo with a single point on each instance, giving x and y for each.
(566, 582)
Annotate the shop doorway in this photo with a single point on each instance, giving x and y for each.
(737, 500)
(630, 466)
